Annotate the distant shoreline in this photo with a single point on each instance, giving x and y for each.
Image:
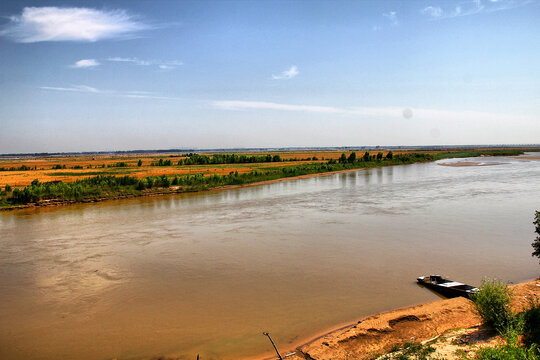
(171, 191)
(314, 171)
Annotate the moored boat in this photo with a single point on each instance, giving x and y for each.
(445, 287)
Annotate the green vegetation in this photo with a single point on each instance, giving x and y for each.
(411, 351)
(536, 242)
(492, 304)
(196, 159)
(531, 323)
(509, 351)
(495, 298)
(161, 162)
(473, 153)
(20, 168)
(118, 164)
(103, 186)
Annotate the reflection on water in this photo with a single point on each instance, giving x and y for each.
(207, 273)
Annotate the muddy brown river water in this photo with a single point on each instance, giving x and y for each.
(207, 273)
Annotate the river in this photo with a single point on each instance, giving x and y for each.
(207, 273)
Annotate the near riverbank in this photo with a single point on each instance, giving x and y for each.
(449, 324)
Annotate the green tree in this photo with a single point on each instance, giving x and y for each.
(8, 188)
(352, 157)
(165, 181)
(140, 185)
(380, 156)
(139, 163)
(342, 159)
(367, 157)
(536, 242)
(390, 155)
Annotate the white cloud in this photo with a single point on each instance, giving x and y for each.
(472, 7)
(433, 11)
(371, 112)
(36, 24)
(287, 74)
(85, 63)
(129, 60)
(164, 65)
(76, 88)
(125, 94)
(392, 16)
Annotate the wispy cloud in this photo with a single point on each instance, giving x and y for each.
(85, 63)
(392, 16)
(471, 7)
(37, 24)
(163, 65)
(368, 112)
(287, 74)
(75, 88)
(134, 94)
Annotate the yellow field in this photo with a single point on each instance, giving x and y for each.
(42, 167)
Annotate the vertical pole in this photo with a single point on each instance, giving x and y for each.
(274, 345)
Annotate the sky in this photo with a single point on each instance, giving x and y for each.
(124, 75)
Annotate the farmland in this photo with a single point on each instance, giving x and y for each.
(46, 180)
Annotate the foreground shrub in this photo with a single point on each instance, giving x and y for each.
(492, 304)
(531, 323)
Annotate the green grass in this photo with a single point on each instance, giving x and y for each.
(411, 351)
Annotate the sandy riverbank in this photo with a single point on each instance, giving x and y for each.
(378, 334)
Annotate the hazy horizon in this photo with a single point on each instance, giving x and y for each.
(80, 76)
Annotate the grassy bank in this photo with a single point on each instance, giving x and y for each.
(104, 186)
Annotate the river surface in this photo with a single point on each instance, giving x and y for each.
(207, 273)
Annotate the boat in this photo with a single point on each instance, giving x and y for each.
(445, 287)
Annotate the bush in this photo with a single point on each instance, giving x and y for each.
(8, 188)
(531, 323)
(492, 304)
(536, 242)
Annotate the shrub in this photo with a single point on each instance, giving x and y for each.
(492, 304)
(8, 188)
(536, 242)
(140, 185)
(531, 323)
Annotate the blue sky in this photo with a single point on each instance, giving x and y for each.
(119, 75)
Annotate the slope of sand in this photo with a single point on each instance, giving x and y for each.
(379, 334)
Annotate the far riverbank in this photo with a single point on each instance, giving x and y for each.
(102, 188)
